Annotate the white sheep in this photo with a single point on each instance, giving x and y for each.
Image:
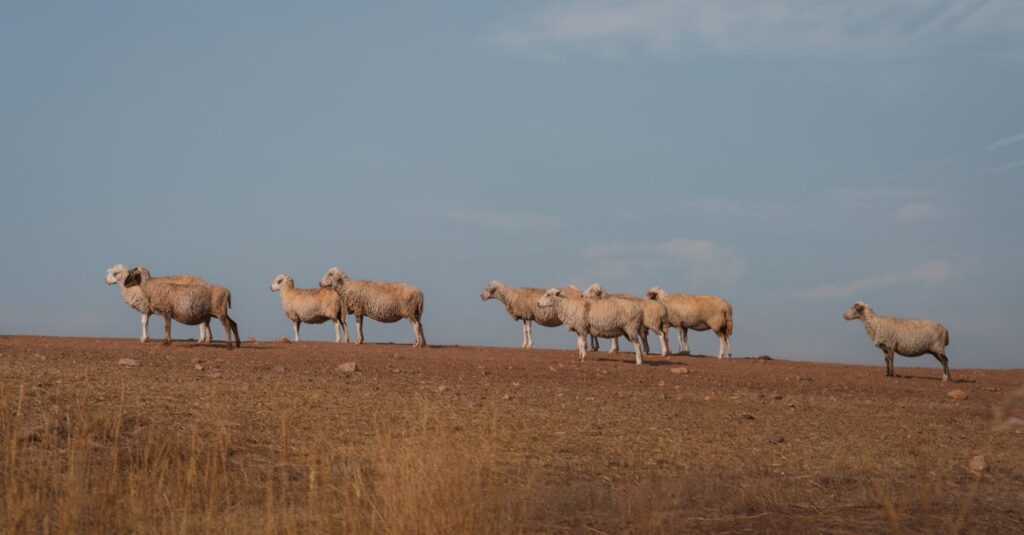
(606, 318)
(386, 302)
(310, 305)
(190, 304)
(135, 298)
(521, 304)
(907, 337)
(697, 312)
(655, 318)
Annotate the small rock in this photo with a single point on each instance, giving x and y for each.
(707, 398)
(778, 439)
(957, 394)
(680, 369)
(251, 340)
(776, 395)
(486, 371)
(199, 367)
(39, 357)
(748, 416)
(127, 362)
(347, 367)
(978, 465)
(283, 340)
(279, 369)
(442, 389)
(506, 397)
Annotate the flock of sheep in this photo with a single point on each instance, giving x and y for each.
(593, 313)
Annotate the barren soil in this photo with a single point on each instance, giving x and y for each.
(551, 444)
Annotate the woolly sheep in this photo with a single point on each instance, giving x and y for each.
(136, 299)
(607, 318)
(191, 304)
(221, 300)
(310, 305)
(386, 302)
(655, 317)
(907, 337)
(697, 312)
(521, 304)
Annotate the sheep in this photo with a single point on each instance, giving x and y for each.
(607, 318)
(521, 304)
(655, 318)
(191, 304)
(221, 301)
(310, 305)
(697, 312)
(135, 298)
(907, 337)
(386, 302)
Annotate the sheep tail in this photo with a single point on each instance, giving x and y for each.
(945, 334)
(728, 322)
(229, 299)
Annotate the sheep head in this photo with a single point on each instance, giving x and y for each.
(857, 311)
(491, 291)
(116, 273)
(134, 277)
(280, 281)
(595, 291)
(655, 293)
(334, 278)
(550, 297)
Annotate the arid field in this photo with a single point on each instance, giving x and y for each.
(278, 438)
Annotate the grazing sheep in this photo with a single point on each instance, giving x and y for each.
(655, 318)
(607, 318)
(135, 298)
(697, 312)
(221, 300)
(907, 337)
(386, 302)
(521, 304)
(310, 305)
(191, 304)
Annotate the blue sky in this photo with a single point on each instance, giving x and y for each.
(791, 156)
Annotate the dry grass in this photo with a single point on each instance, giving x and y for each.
(509, 446)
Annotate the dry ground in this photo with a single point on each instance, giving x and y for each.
(274, 438)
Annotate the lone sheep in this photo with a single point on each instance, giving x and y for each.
(606, 318)
(907, 337)
(697, 312)
(190, 304)
(310, 305)
(386, 302)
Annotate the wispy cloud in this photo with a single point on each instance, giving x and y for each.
(931, 272)
(1006, 141)
(503, 220)
(699, 260)
(907, 205)
(1007, 167)
(760, 27)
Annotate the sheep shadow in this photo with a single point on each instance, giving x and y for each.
(936, 379)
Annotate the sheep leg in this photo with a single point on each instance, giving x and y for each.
(417, 332)
(205, 336)
(423, 337)
(634, 338)
(595, 344)
(889, 370)
(615, 346)
(728, 345)
(359, 329)
(526, 335)
(721, 345)
(941, 356)
(295, 327)
(145, 328)
(685, 340)
(344, 326)
(234, 328)
(581, 345)
(643, 341)
(663, 338)
(337, 330)
(167, 330)
(227, 323)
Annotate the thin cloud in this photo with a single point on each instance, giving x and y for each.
(914, 212)
(760, 27)
(907, 205)
(932, 272)
(699, 260)
(1007, 167)
(504, 220)
(1006, 142)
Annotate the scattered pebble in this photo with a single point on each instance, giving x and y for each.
(957, 394)
(127, 362)
(776, 395)
(347, 367)
(283, 340)
(442, 389)
(978, 465)
(680, 370)
(251, 340)
(748, 416)
(778, 439)
(199, 367)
